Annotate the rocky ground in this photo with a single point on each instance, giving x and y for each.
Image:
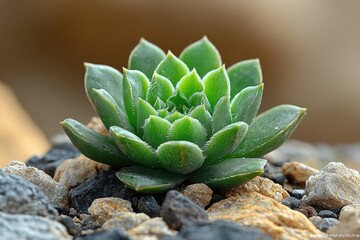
(63, 195)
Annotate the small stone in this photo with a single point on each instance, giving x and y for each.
(260, 185)
(178, 210)
(125, 220)
(97, 125)
(273, 173)
(349, 225)
(298, 193)
(56, 192)
(333, 187)
(323, 224)
(18, 195)
(297, 172)
(291, 202)
(199, 193)
(20, 226)
(348, 212)
(149, 206)
(308, 211)
(71, 228)
(102, 209)
(154, 227)
(72, 212)
(111, 234)
(87, 221)
(327, 214)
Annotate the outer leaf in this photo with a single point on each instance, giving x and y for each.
(190, 84)
(94, 145)
(187, 129)
(217, 85)
(269, 130)
(135, 86)
(224, 142)
(155, 130)
(145, 57)
(174, 116)
(199, 98)
(201, 55)
(172, 68)
(222, 114)
(104, 77)
(148, 180)
(200, 113)
(134, 148)
(246, 104)
(145, 110)
(180, 157)
(244, 74)
(160, 87)
(229, 172)
(109, 111)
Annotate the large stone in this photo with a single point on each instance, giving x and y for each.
(19, 226)
(56, 192)
(125, 220)
(333, 187)
(260, 185)
(256, 210)
(155, 227)
(298, 172)
(350, 211)
(199, 193)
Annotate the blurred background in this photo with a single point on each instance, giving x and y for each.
(309, 52)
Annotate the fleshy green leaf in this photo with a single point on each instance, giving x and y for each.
(174, 116)
(159, 104)
(109, 111)
(246, 104)
(163, 113)
(201, 55)
(187, 129)
(200, 113)
(145, 57)
(190, 84)
(172, 68)
(156, 130)
(149, 180)
(229, 173)
(217, 85)
(135, 86)
(104, 77)
(178, 100)
(199, 98)
(144, 112)
(224, 142)
(244, 74)
(222, 114)
(134, 148)
(160, 87)
(180, 157)
(93, 145)
(269, 130)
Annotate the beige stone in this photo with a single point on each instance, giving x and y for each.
(155, 227)
(199, 193)
(260, 185)
(125, 220)
(256, 210)
(298, 172)
(350, 211)
(349, 226)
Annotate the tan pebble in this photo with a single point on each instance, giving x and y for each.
(199, 193)
(298, 172)
(102, 209)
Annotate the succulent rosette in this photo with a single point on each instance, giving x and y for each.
(188, 118)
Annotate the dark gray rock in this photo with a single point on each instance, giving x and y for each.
(298, 193)
(274, 173)
(149, 206)
(178, 210)
(112, 234)
(17, 195)
(71, 228)
(291, 202)
(323, 224)
(327, 214)
(219, 230)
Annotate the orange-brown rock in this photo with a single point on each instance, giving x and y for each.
(97, 125)
(199, 193)
(298, 172)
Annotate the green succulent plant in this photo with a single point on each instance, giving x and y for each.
(172, 119)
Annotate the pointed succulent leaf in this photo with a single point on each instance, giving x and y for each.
(163, 113)
(174, 116)
(159, 104)
(217, 85)
(269, 130)
(178, 100)
(104, 77)
(246, 104)
(145, 110)
(201, 55)
(149, 180)
(244, 74)
(229, 172)
(187, 129)
(190, 84)
(160, 87)
(199, 98)
(200, 113)
(109, 111)
(224, 142)
(222, 114)
(172, 68)
(94, 145)
(156, 130)
(180, 157)
(145, 57)
(134, 148)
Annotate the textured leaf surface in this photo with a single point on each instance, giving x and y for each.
(201, 55)
(172, 68)
(94, 145)
(200, 113)
(246, 104)
(244, 74)
(229, 173)
(180, 157)
(156, 130)
(160, 87)
(134, 148)
(269, 130)
(199, 98)
(174, 116)
(222, 114)
(145, 57)
(148, 180)
(190, 84)
(145, 110)
(179, 101)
